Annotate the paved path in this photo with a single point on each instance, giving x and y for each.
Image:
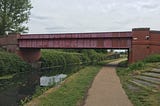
(106, 89)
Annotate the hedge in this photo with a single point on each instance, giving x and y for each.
(60, 58)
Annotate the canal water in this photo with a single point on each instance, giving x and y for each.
(15, 89)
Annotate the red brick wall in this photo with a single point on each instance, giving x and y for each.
(142, 47)
(29, 55)
(9, 42)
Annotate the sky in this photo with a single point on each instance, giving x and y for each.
(71, 16)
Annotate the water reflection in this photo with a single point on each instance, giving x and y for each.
(24, 84)
(47, 81)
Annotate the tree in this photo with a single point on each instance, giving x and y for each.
(13, 15)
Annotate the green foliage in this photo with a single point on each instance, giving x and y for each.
(40, 90)
(93, 56)
(7, 77)
(152, 58)
(123, 63)
(101, 50)
(142, 64)
(138, 96)
(25, 100)
(137, 66)
(56, 58)
(13, 13)
(60, 58)
(85, 59)
(11, 63)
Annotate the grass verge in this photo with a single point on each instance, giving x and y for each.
(138, 96)
(72, 91)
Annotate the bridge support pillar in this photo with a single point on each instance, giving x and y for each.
(140, 47)
(30, 55)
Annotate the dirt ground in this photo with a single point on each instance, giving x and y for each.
(106, 89)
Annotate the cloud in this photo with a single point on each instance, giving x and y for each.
(55, 29)
(39, 17)
(147, 6)
(92, 15)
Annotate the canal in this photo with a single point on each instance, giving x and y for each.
(19, 88)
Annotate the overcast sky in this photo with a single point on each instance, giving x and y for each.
(60, 16)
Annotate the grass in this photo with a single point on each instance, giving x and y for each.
(72, 91)
(104, 62)
(6, 76)
(139, 97)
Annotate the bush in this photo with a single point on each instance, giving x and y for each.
(11, 63)
(52, 58)
(141, 64)
(137, 66)
(56, 58)
(93, 56)
(123, 64)
(152, 58)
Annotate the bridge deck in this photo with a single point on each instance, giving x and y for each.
(77, 40)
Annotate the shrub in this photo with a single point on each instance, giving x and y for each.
(137, 66)
(11, 63)
(56, 58)
(52, 58)
(141, 64)
(152, 58)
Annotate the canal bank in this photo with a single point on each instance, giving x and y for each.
(71, 92)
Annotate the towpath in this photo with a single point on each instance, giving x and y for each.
(106, 89)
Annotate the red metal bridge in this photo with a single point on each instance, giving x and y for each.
(140, 42)
(32, 43)
(76, 40)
